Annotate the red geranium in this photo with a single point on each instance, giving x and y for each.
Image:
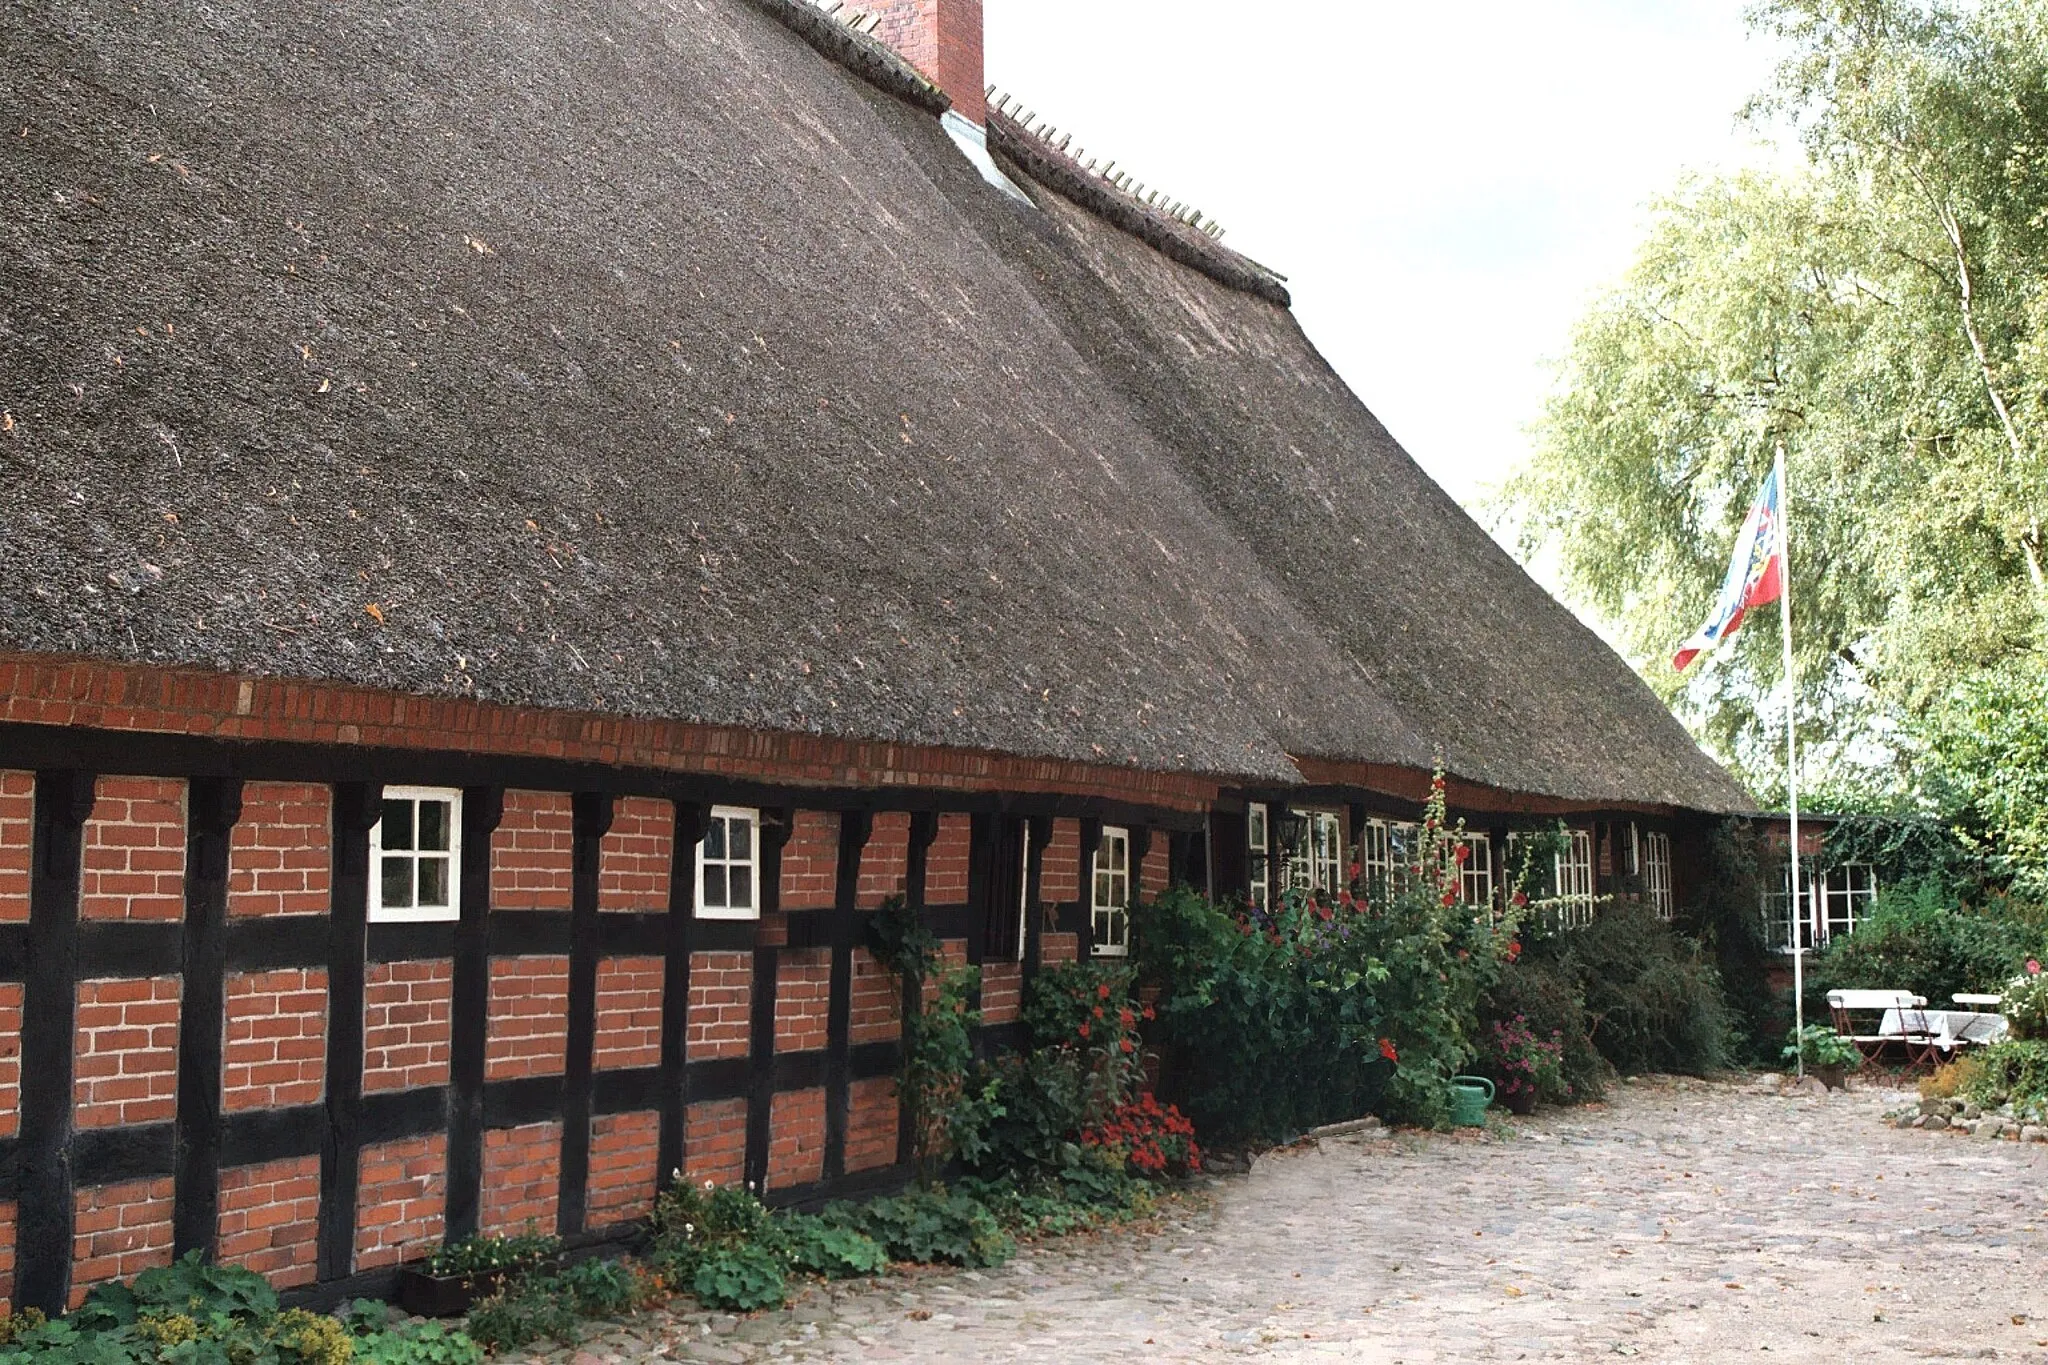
(1388, 1051)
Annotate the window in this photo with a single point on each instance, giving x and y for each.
(1386, 854)
(1575, 880)
(728, 864)
(1476, 876)
(1657, 873)
(1110, 898)
(416, 852)
(1315, 853)
(1258, 856)
(1831, 903)
(1632, 851)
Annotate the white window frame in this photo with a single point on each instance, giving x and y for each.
(1573, 865)
(1475, 875)
(1657, 884)
(1258, 835)
(1844, 897)
(752, 862)
(1831, 903)
(1386, 851)
(1109, 894)
(1317, 862)
(417, 913)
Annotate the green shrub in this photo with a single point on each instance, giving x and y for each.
(1916, 939)
(525, 1311)
(1653, 1001)
(929, 1225)
(2014, 1072)
(1547, 1001)
(816, 1247)
(189, 1285)
(599, 1288)
(744, 1277)
(2026, 1003)
(1043, 1096)
(1818, 1046)
(416, 1343)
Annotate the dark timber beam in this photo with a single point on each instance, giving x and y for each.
(855, 829)
(43, 1215)
(357, 806)
(775, 830)
(468, 1042)
(592, 820)
(674, 1107)
(214, 806)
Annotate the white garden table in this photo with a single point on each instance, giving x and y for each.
(1946, 1029)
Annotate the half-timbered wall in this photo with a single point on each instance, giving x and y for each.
(205, 1043)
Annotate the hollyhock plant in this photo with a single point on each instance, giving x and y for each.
(2025, 1003)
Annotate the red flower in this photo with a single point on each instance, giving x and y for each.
(2033, 967)
(1149, 1016)
(1098, 1011)
(1084, 1029)
(1356, 871)
(1464, 852)
(1518, 900)
(1388, 1051)
(1102, 991)
(1514, 949)
(1324, 911)
(1125, 1017)
(1125, 1044)
(1450, 898)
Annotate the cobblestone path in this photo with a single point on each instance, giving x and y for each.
(1683, 1221)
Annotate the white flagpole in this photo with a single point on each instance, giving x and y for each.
(1791, 754)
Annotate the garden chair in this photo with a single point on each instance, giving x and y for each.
(1904, 1011)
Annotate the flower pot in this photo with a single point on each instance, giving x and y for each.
(1833, 1077)
(1521, 1100)
(444, 1296)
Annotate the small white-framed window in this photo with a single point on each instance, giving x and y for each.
(1476, 876)
(416, 855)
(1386, 854)
(1258, 836)
(1110, 894)
(1657, 874)
(1574, 868)
(1315, 851)
(728, 865)
(1845, 895)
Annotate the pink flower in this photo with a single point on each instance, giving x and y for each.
(2033, 967)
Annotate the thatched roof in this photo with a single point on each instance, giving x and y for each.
(639, 358)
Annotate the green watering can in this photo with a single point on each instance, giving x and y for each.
(1469, 1097)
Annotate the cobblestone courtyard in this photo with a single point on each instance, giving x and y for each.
(1683, 1221)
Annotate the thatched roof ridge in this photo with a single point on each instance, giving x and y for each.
(867, 57)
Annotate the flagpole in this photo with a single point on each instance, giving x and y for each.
(1791, 756)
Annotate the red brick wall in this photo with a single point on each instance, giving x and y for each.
(522, 1173)
(633, 857)
(118, 1231)
(529, 1020)
(623, 1151)
(945, 872)
(721, 994)
(401, 1200)
(1002, 991)
(270, 1218)
(274, 1053)
(406, 1012)
(871, 1124)
(886, 859)
(10, 1058)
(17, 832)
(810, 861)
(134, 863)
(1054, 948)
(127, 1052)
(280, 855)
(628, 1012)
(1060, 877)
(803, 984)
(530, 853)
(943, 40)
(1153, 872)
(796, 1138)
(715, 1142)
(6, 1255)
(876, 1002)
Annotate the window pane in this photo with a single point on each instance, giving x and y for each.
(714, 837)
(433, 881)
(395, 890)
(1256, 823)
(714, 886)
(740, 888)
(397, 830)
(433, 826)
(1119, 855)
(741, 840)
(1102, 887)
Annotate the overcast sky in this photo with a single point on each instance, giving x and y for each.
(1445, 187)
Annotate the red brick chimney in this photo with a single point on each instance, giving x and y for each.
(942, 39)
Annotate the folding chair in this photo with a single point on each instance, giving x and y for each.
(1913, 1036)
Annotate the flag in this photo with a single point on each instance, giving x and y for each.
(1756, 574)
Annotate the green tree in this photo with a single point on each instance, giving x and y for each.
(1881, 314)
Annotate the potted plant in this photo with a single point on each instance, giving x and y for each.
(474, 1268)
(1827, 1055)
(1527, 1068)
(2024, 1003)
